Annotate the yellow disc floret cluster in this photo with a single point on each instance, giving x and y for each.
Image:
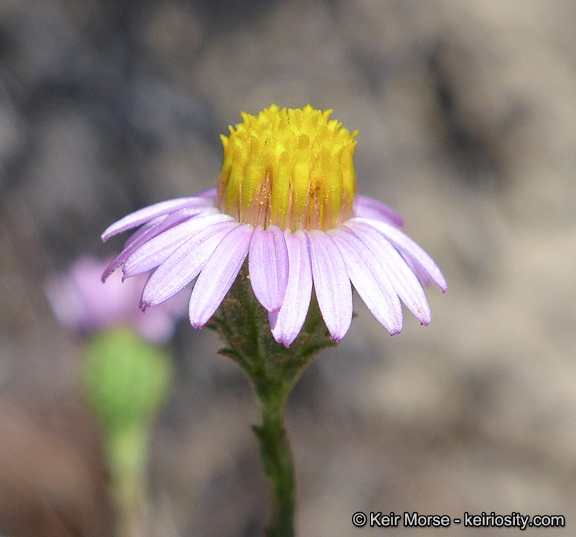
(290, 167)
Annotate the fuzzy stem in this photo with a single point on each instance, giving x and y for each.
(272, 370)
(276, 461)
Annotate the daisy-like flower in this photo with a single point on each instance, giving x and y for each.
(286, 200)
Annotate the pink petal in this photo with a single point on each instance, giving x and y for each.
(146, 227)
(146, 214)
(170, 220)
(331, 284)
(370, 208)
(287, 322)
(145, 234)
(422, 262)
(120, 259)
(369, 280)
(211, 192)
(400, 274)
(184, 264)
(148, 232)
(157, 249)
(219, 274)
(268, 266)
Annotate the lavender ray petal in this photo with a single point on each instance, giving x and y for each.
(140, 237)
(367, 207)
(423, 276)
(423, 264)
(287, 322)
(184, 264)
(146, 214)
(146, 233)
(370, 281)
(170, 220)
(120, 259)
(268, 266)
(331, 284)
(143, 230)
(219, 274)
(211, 192)
(156, 250)
(398, 270)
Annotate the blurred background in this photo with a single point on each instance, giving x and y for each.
(467, 120)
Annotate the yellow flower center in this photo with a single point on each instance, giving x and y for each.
(290, 167)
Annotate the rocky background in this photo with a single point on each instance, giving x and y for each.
(467, 120)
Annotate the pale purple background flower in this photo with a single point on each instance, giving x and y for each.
(190, 238)
(84, 305)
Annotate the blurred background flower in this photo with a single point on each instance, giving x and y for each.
(126, 376)
(466, 118)
(84, 305)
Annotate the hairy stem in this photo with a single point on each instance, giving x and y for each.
(277, 462)
(272, 370)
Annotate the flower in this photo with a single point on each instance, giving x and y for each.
(83, 305)
(286, 199)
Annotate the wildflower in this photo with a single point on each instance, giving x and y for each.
(84, 306)
(287, 200)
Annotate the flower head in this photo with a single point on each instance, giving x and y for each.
(287, 200)
(82, 305)
(289, 168)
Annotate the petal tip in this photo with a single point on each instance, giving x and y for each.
(397, 329)
(283, 338)
(197, 324)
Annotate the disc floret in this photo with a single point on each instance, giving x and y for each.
(288, 167)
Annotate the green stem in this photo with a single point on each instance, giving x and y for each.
(272, 369)
(127, 455)
(277, 462)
